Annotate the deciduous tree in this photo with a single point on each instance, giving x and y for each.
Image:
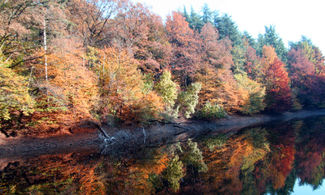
(185, 48)
(15, 100)
(278, 93)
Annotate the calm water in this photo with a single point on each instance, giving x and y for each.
(282, 158)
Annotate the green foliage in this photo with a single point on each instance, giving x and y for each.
(271, 38)
(156, 182)
(211, 111)
(257, 138)
(238, 56)
(227, 28)
(192, 157)
(295, 103)
(251, 41)
(207, 14)
(188, 99)
(14, 98)
(194, 20)
(167, 89)
(256, 94)
(148, 83)
(216, 142)
(173, 173)
(170, 113)
(250, 160)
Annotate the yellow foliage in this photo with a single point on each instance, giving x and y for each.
(220, 87)
(75, 82)
(229, 94)
(14, 96)
(122, 87)
(70, 94)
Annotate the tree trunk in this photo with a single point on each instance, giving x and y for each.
(45, 55)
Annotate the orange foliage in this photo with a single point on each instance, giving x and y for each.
(281, 164)
(185, 48)
(66, 169)
(142, 34)
(226, 164)
(275, 77)
(218, 83)
(122, 88)
(278, 93)
(71, 93)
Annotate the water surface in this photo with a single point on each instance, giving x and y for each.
(278, 158)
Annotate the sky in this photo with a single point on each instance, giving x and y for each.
(291, 18)
(307, 189)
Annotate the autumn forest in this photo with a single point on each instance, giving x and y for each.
(116, 62)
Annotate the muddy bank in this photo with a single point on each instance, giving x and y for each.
(108, 141)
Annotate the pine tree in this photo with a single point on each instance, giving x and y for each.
(227, 28)
(271, 38)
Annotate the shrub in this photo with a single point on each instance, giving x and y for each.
(188, 99)
(211, 111)
(167, 89)
(174, 173)
(256, 93)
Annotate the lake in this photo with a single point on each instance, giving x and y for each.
(276, 158)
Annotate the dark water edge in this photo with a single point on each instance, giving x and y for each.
(285, 155)
(123, 139)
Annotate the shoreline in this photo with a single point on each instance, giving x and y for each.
(133, 138)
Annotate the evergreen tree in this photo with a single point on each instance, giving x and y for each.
(251, 41)
(195, 21)
(185, 14)
(227, 28)
(207, 14)
(271, 38)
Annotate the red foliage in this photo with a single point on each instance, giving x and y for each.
(278, 93)
(142, 33)
(307, 77)
(252, 63)
(185, 48)
(300, 65)
(312, 91)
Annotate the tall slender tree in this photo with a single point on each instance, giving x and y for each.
(278, 93)
(185, 48)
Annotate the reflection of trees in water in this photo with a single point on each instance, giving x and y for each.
(51, 174)
(146, 172)
(252, 161)
(261, 160)
(310, 158)
(275, 168)
(231, 165)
